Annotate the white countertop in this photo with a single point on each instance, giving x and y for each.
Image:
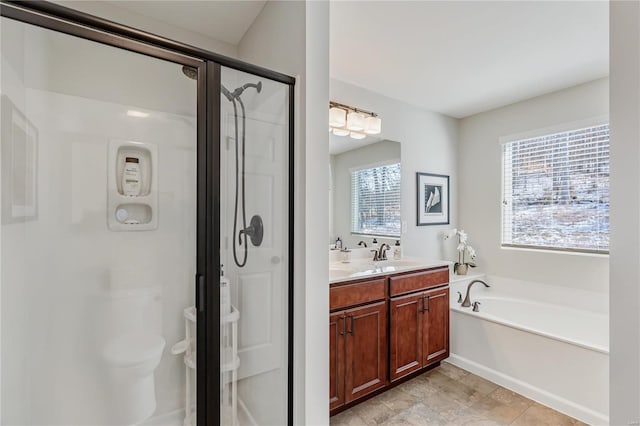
(340, 271)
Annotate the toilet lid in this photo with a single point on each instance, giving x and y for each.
(134, 348)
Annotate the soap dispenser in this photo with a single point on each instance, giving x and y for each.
(374, 244)
(338, 244)
(397, 250)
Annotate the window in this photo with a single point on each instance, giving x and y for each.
(375, 201)
(556, 191)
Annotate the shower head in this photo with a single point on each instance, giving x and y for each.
(258, 86)
(192, 73)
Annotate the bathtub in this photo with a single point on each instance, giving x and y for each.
(547, 343)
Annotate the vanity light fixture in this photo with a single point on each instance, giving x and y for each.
(345, 120)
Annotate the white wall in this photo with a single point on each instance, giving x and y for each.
(369, 155)
(625, 210)
(480, 165)
(429, 144)
(293, 38)
(127, 17)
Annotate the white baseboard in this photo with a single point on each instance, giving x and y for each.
(556, 402)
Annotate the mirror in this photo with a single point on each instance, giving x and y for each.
(364, 191)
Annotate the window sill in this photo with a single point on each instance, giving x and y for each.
(554, 251)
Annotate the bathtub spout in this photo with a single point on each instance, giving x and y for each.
(467, 301)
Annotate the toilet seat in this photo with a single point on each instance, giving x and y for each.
(133, 348)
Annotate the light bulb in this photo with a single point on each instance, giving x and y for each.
(355, 121)
(372, 125)
(337, 117)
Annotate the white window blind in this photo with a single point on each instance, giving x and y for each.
(375, 201)
(556, 191)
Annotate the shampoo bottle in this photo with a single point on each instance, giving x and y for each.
(131, 184)
(225, 294)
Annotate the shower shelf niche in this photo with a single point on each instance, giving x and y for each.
(129, 210)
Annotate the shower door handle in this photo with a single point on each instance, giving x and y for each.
(199, 293)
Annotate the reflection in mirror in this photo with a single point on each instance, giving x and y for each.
(364, 192)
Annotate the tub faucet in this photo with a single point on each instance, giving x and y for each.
(467, 302)
(362, 244)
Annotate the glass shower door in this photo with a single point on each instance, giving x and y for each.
(254, 249)
(98, 234)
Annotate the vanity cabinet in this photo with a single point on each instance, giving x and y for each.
(358, 341)
(406, 335)
(435, 337)
(336, 359)
(419, 321)
(383, 329)
(365, 349)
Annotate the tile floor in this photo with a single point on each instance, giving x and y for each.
(448, 395)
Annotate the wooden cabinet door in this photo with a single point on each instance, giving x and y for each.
(405, 318)
(336, 359)
(435, 326)
(366, 350)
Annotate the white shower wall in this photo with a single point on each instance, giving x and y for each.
(69, 257)
(59, 270)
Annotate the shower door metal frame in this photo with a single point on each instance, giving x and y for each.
(208, 65)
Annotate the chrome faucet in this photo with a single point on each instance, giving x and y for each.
(467, 302)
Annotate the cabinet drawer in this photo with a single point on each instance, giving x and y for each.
(356, 294)
(417, 281)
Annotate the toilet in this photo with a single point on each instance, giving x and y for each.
(132, 352)
(132, 359)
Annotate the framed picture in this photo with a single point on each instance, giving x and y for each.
(433, 199)
(19, 150)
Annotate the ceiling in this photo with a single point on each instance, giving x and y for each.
(464, 57)
(453, 57)
(226, 21)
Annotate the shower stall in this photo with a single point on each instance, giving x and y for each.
(146, 233)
